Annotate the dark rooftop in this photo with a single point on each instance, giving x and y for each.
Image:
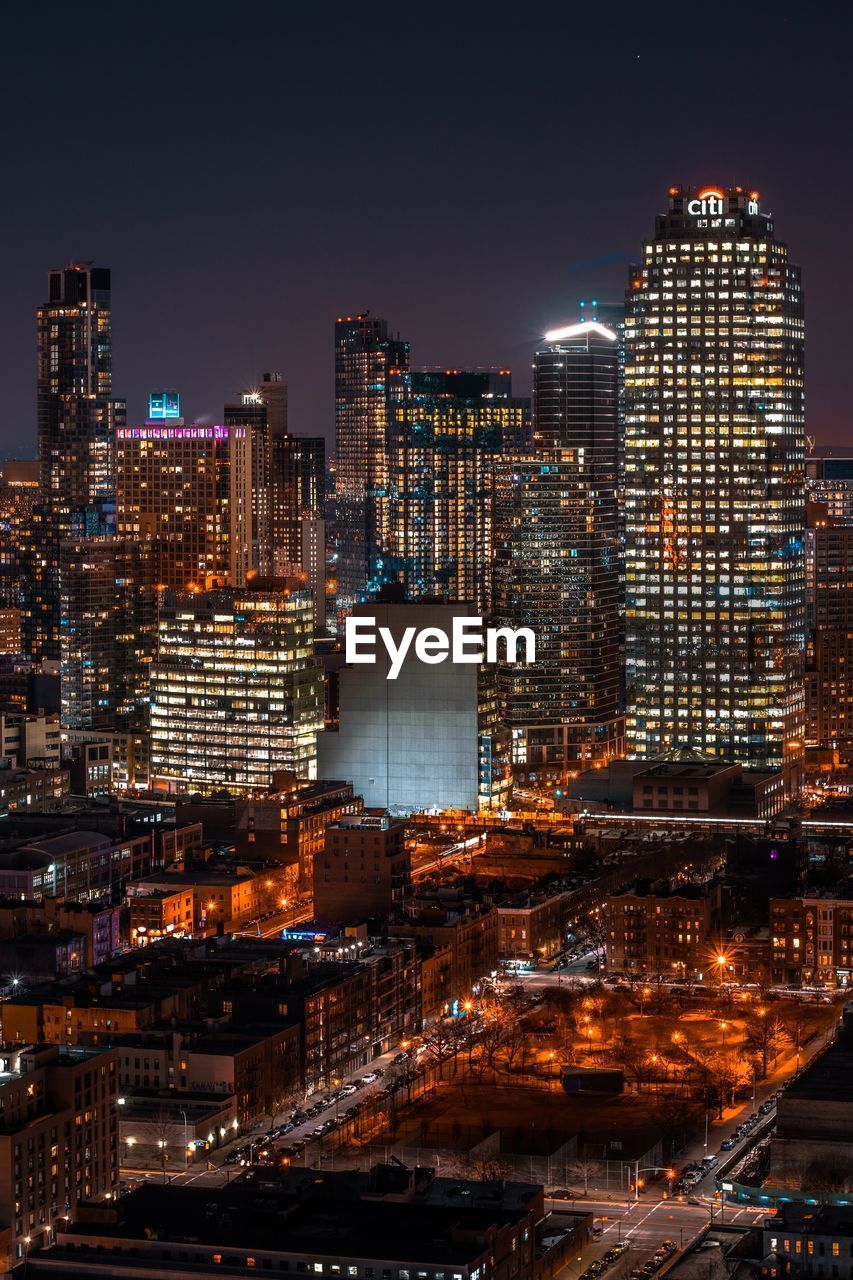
(430, 1220)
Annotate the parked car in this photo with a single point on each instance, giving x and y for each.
(727, 1144)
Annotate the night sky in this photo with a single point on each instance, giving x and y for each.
(250, 172)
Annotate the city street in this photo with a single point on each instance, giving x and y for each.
(651, 1219)
(199, 1172)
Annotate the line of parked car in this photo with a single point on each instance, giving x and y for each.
(606, 1260)
(693, 1173)
(262, 1148)
(746, 1127)
(655, 1262)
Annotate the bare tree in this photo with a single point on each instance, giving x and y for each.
(513, 1045)
(167, 1136)
(676, 1117)
(584, 1167)
(763, 1034)
(489, 1168)
(438, 1045)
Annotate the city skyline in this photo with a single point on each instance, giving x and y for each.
(426, 644)
(236, 237)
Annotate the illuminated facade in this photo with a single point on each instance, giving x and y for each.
(185, 495)
(445, 437)
(829, 648)
(558, 563)
(364, 359)
(829, 481)
(77, 417)
(109, 628)
(236, 696)
(713, 475)
(19, 501)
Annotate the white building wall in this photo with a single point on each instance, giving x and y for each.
(410, 743)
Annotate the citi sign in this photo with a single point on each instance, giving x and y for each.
(708, 204)
(711, 203)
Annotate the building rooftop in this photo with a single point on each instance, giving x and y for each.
(678, 769)
(199, 874)
(436, 1221)
(821, 1220)
(71, 842)
(828, 1078)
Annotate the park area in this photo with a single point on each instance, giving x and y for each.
(490, 1083)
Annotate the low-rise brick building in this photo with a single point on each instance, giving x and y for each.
(670, 933)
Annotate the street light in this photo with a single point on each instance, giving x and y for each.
(187, 1147)
(651, 1168)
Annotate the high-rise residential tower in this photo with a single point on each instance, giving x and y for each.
(77, 421)
(558, 565)
(714, 444)
(77, 415)
(185, 495)
(365, 356)
(109, 623)
(829, 599)
(446, 435)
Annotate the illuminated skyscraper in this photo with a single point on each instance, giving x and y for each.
(77, 420)
(185, 495)
(77, 416)
(714, 441)
(829, 481)
(558, 565)
(364, 359)
(829, 599)
(236, 695)
(445, 437)
(107, 636)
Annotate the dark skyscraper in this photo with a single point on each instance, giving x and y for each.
(446, 432)
(77, 416)
(77, 423)
(829, 600)
(364, 359)
(558, 569)
(715, 514)
(109, 624)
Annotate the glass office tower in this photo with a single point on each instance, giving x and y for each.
(713, 473)
(558, 567)
(446, 434)
(364, 358)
